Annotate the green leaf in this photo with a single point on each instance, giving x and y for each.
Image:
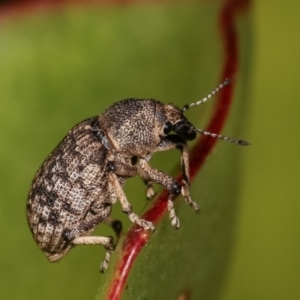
(59, 67)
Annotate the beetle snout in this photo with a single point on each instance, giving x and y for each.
(185, 130)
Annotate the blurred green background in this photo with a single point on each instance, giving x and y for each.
(265, 262)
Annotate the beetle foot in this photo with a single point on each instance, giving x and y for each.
(150, 193)
(172, 214)
(110, 249)
(104, 264)
(141, 222)
(145, 224)
(185, 193)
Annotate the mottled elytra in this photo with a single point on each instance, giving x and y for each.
(74, 189)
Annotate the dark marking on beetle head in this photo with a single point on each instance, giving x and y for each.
(185, 130)
(171, 118)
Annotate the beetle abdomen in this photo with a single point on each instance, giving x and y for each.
(66, 187)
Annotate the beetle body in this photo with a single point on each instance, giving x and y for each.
(69, 184)
(74, 189)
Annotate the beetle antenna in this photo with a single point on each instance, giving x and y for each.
(223, 137)
(212, 93)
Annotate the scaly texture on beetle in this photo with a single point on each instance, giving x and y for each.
(74, 189)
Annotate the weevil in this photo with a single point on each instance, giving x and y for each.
(76, 186)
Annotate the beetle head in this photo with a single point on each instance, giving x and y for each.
(178, 123)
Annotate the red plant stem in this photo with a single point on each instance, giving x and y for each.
(137, 238)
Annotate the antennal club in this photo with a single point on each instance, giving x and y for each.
(223, 137)
(211, 94)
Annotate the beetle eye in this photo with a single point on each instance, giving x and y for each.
(168, 128)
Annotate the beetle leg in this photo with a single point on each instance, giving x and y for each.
(76, 236)
(121, 169)
(186, 194)
(115, 224)
(126, 206)
(150, 193)
(176, 142)
(172, 142)
(99, 207)
(107, 242)
(168, 183)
